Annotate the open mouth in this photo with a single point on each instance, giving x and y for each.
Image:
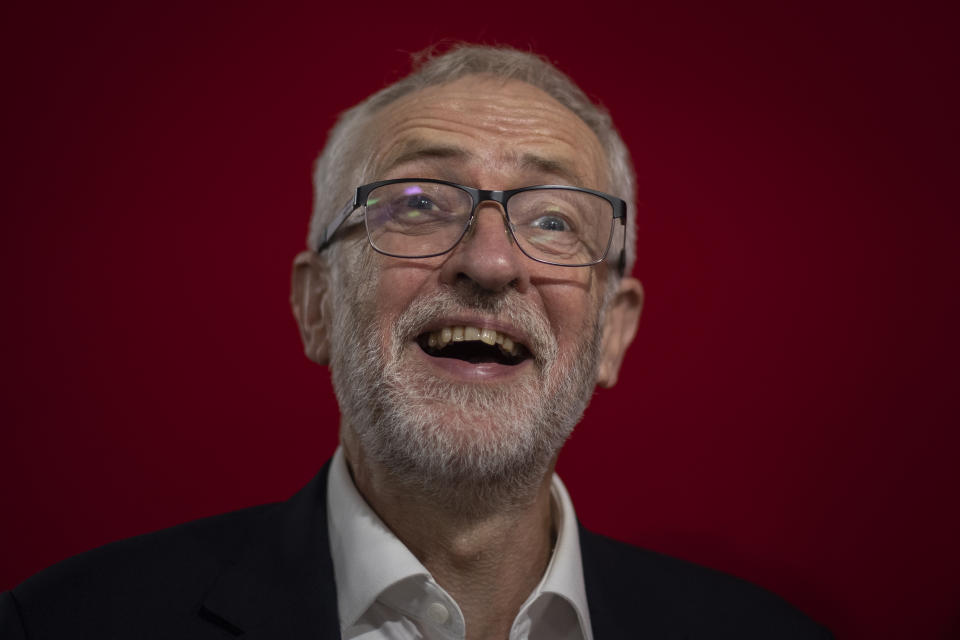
(473, 345)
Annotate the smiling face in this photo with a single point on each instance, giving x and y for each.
(472, 367)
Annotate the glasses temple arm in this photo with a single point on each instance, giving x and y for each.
(336, 223)
(622, 260)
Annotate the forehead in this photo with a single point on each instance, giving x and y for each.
(488, 132)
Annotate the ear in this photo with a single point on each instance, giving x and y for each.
(619, 327)
(308, 290)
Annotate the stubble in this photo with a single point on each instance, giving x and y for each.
(472, 448)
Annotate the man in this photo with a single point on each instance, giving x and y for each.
(467, 298)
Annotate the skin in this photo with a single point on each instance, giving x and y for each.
(489, 134)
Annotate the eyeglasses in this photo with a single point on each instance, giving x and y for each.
(422, 218)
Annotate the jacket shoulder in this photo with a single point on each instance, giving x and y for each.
(630, 589)
(155, 581)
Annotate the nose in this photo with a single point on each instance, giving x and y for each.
(487, 255)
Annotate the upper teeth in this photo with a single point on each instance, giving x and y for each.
(441, 337)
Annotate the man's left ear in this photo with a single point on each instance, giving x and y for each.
(619, 327)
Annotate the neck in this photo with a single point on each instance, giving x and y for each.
(489, 560)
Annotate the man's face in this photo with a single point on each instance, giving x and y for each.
(468, 411)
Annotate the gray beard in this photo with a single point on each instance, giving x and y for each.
(472, 449)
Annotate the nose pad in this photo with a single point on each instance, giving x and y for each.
(473, 226)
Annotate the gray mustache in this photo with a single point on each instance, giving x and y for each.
(507, 307)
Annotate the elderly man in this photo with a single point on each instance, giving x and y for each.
(467, 297)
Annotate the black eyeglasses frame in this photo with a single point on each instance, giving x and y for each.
(478, 195)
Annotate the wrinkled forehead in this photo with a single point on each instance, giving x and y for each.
(505, 133)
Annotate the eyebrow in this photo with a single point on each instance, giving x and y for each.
(551, 166)
(416, 150)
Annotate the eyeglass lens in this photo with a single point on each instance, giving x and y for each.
(417, 219)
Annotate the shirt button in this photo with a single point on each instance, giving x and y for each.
(437, 613)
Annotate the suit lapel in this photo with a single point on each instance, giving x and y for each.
(282, 584)
(622, 592)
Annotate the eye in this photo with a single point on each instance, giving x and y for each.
(420, 202)
(550, 223)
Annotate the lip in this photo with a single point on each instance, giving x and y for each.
(463, 371)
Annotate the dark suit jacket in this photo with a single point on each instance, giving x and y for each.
(266, 572)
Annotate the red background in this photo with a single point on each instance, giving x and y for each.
(788, 412)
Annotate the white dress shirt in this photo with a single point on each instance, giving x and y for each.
(384, 592)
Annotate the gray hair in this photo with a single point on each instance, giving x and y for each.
(341, 165)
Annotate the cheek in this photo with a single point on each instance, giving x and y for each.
(395, 286)
(572, 306)
(572, 320)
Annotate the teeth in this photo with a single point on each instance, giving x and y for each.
(440, 338)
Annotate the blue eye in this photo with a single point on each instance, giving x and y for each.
(550, 223)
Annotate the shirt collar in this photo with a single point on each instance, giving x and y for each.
(564, 574)
(368, 559)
